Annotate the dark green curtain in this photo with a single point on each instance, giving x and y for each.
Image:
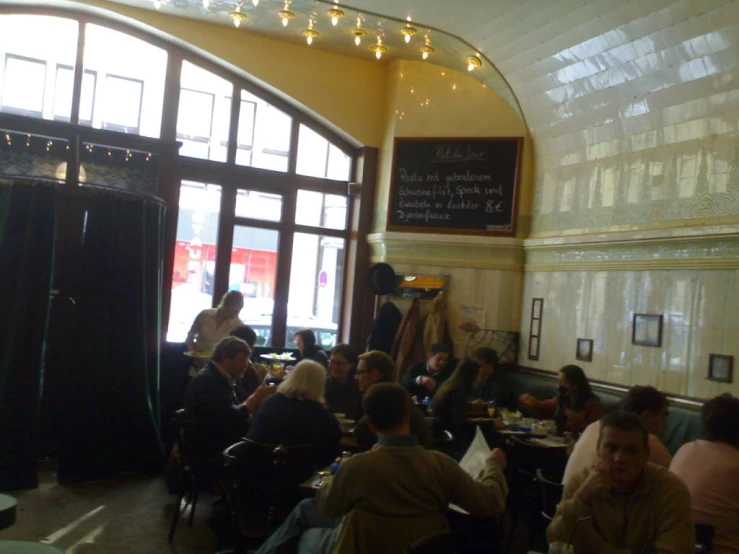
(106, 368)
(26, 263)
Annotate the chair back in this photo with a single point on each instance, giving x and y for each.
(443, 542)
(192, 455)
(550, 494)
(524, 458)
(264, 481)
(703, 537)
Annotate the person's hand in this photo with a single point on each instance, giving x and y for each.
(429, 383)
(499, 456)
(526, 399)
(598, 482)
(263, 391)
(499, 424)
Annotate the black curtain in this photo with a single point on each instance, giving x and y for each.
(103, 360)
(26, 264)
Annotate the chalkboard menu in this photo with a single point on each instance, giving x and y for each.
(455, 185)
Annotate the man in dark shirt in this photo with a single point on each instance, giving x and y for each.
(424, 378)
(495, 384)
(217, 406)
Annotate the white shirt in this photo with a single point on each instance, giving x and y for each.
(207, 333)
(585, 453)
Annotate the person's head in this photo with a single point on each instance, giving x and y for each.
(438, 357)
(388, 406)
(231, 304)
(342, 361)
(488, 360)
(720, 419)
(245, 333)
(306, 340)
(232, 354)
(572, 378)
(306, 381)
(374, 367)
(623, 447)
(465, 377)
(650, 404)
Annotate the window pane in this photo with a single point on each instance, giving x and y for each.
(204, 114)
(321, 210)
(339, 164)
(253, 270)
(195, 256)
(63, 93)
(312, 153)
(258, 205)
(264, 134)
(315, 287)
(31, 47)
(130, 74)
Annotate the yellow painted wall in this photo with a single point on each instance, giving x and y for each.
(348, 92)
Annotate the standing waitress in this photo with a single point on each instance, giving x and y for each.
(212, 325)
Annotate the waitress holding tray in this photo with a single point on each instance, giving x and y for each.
(212, 325)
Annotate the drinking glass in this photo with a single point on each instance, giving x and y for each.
(491, 409)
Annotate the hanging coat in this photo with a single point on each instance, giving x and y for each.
(435, 326)
(384, 328)
(405, 339)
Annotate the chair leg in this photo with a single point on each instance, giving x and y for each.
(512, 531)
(195, 494)
(175, 516)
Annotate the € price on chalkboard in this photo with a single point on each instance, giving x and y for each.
(452, 185)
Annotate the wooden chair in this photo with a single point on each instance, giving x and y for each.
(264, 481)
(199, 471)
(550, 494)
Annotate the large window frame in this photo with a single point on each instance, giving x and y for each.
(230, 176)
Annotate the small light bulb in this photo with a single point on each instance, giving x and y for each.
(255, 2)
(206, 4)
(334, 21)
(309, 40)
(284, 21)
(357, 40)
(470, 67)
(407, 39)
(157, 4)
(237, 22)
(378, 54)
(425, 55)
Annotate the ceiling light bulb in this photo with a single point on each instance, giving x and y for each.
(378, 54)
(407, 39)
(255, 3)
(473, 63)
(425, 55)
(335, 15)
(284, 21)
(334, 21)
(309, 40)
(408, 32)
(358, 34)
(357, 40)
(426, 51)
(309, 35)
(157, 4)
(378, 48)
(206, 4)
(238, 17)
(286, 15)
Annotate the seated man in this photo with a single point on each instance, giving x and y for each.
(710, 469)
(378, 367)
(632, 505)
(384, 500)
(254, 373)
(217, 406)
(646, 402)
(424, 378)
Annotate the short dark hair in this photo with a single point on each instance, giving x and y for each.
(438, 348)
(379, 361)
(230, 347)
(309, 339)
(720, 419)
(245, 333)
(640, 399)
(386, 405)
(347, 351)
(624, 421)
(488, 355)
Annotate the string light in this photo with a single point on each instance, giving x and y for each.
(238, 16)
(335, 15)
(473, 63)
(426, 51)
(309, 35)
(358, 35)
(378, 48)
(286, 15)
(408, 32)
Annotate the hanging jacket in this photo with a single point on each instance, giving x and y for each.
(405, 339)
(384, 328)
(435, 325)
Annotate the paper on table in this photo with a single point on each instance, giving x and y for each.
(473, 461)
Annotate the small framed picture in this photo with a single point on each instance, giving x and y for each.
(721, 368)
(647, 330)
(585, 350)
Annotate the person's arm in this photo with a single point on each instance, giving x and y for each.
(570, 510)
(485, 497)
(193, 332)
(255, 399)
(541, 409)
(592, 411)
(410, 380)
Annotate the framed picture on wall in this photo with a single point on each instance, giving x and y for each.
(585, 350)
(721, 368)
(537, 309)
(647, 330)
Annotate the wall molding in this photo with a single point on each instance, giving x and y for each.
(458, 251)
(715, 248)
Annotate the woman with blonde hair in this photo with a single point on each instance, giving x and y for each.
(295, 415)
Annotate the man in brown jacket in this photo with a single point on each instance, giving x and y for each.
(624, 505)
(384, 500)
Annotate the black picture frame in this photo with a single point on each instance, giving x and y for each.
(584, 351)
(721, 368)
(537, 309)
(646, 330)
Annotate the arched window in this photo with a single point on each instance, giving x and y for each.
(260, 189)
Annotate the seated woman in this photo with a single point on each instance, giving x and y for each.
(308, 349)
(583, 406)
(495, 383)
(213, 324)
(295, 416)
(342, 391)
(451, 403)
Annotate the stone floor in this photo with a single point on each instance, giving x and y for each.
(126, 515)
